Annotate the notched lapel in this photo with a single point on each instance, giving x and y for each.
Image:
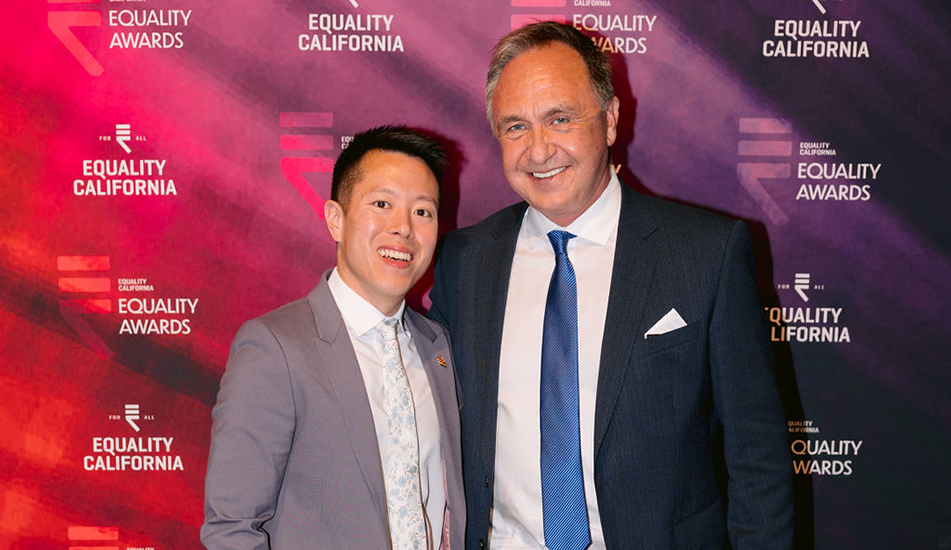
(635, 260)
(335, 353)
(442, 382)
(491, 283)
(432, 347)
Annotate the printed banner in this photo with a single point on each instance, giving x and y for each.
(164, 165)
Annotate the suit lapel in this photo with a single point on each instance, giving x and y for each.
(431, 349)
(336, 355)
(491, 283)
(631, 279)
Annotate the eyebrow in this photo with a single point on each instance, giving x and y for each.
(556, 110)
(505, 121)
(389, 191)
(560, 109)
(427, 198)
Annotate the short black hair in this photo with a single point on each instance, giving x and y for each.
(396, 139)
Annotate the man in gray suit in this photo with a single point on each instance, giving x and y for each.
(337, 424)
(611, 347)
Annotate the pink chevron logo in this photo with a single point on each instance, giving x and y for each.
(61, 23)
(300, 157)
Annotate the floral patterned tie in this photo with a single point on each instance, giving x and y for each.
(403, 496)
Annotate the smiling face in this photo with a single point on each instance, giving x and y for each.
(553, 134)
(387, 231)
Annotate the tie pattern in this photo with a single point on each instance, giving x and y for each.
(403, 496)
(565, 511)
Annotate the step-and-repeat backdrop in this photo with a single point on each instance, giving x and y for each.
(164, 165)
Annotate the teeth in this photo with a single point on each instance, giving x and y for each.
(395, 254)
(549, 174)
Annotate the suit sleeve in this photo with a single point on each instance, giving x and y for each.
(252, 432)
(440, 295)
(747, 401)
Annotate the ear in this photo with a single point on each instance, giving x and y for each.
(333, 215)
(611, 117)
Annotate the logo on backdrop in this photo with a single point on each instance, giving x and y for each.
(128, 28)
(135, 453)
(764, 149)
(768, 150)
(86, 293)
(615, 31)
(85, 289)
(96, 537)
(143, 313)
(819, 5)
(344, 30)
(827, 457)
(809, 321)
(307, 148)
(132, 415)
(124, 136)
(826, 37)
(82, 535)
(826, 180)
(118, 175)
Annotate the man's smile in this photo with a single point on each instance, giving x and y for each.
(392, 254)
(550, 173)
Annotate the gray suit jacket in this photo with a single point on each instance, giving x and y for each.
(668, 408)
(294, 460)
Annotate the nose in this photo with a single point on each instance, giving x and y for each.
(540, 149)
(401, 222)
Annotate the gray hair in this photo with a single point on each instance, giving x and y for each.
(540, 34)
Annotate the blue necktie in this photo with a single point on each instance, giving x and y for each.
(563, 504)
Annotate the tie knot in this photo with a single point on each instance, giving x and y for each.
(387, 328)
(559, 240)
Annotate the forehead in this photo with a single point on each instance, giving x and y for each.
(553, 72)
(393, 172)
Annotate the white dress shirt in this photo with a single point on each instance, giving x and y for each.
(516, 521)
(361, 319)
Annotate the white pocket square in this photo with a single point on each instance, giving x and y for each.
(667, 323)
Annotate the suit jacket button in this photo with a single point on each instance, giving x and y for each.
(486, 481)
(482, 544)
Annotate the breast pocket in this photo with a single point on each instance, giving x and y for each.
(669, 340)
(676, 358)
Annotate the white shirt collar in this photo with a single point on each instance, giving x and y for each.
(595, 225)
(360, 315)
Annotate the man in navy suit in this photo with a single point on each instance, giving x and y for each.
(661, 364)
